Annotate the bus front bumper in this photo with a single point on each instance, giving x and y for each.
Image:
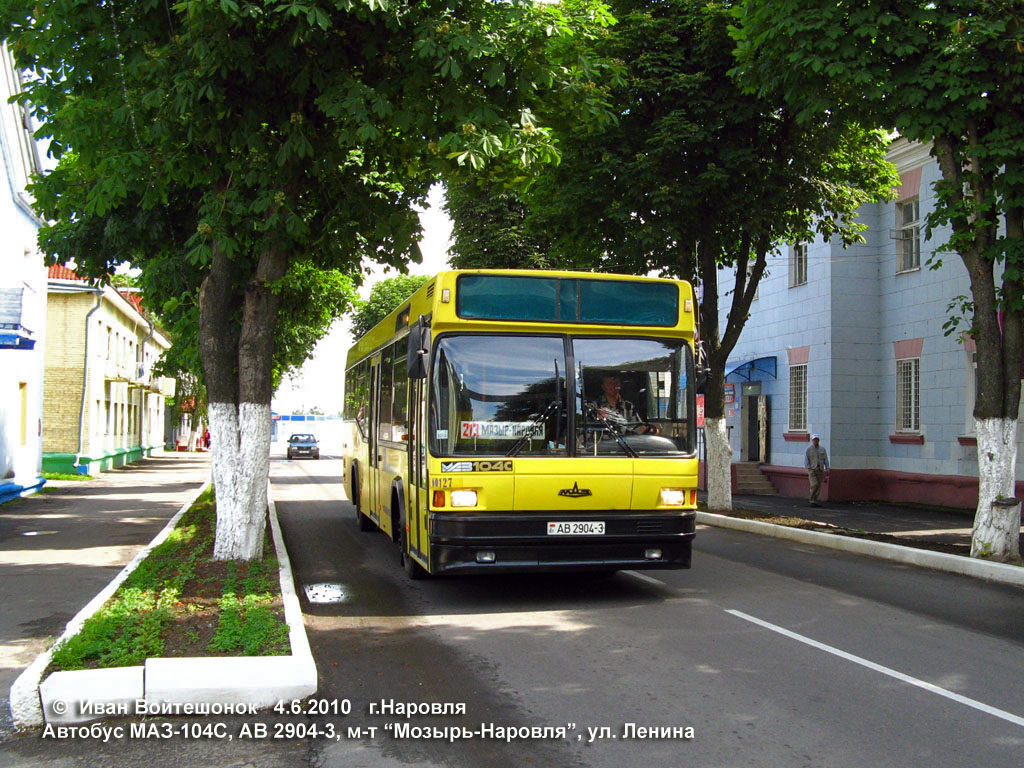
(508, 543)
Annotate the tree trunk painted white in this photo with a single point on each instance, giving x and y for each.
(996, 534)
(719, 465)
(241, 464)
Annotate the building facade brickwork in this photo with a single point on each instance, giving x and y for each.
(105, 407)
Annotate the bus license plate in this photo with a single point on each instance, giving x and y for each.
(576, 529)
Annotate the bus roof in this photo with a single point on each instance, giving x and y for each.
(439, 299)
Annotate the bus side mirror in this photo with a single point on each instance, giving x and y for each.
(419, 350)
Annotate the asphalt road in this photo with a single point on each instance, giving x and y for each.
(774, 654)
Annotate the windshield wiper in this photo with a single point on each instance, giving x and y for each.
(538, 419)
(613, 430)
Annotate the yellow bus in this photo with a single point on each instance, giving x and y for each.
(513, 420)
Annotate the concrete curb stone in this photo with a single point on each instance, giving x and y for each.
(941, 561)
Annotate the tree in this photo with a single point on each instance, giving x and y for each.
(244, 147)
(489, 229)
(189, 404)
(385, 296)
(697, 175)
(950, 74)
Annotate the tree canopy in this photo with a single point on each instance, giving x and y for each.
(235, 151)
(696, 174)
(385, 296)
(490, 230)
(693, 158)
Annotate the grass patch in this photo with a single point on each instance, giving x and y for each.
(65, 476)
(180, 602)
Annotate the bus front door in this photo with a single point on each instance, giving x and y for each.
(372, 489)
(415, 491)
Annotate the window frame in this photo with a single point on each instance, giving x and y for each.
(913, 242)
(801, 407)
(911, 387)
(798, 265)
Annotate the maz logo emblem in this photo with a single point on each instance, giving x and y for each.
(575, 492)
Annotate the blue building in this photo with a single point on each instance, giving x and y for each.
(849, 343)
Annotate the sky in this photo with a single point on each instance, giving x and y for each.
(317, 383)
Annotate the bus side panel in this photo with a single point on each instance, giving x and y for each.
(355, 459)
(392, 461)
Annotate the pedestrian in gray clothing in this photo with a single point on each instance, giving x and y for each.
(816, 463)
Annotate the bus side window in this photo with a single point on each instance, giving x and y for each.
(439, 405)
(400, 400)
(386, 388)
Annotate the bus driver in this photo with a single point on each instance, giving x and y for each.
(612, 405)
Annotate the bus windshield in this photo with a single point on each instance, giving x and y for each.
(509, 395)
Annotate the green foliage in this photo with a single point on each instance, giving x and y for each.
(189, 396)
(311, 299)
(312, 129)
(694, 159)
(124, 633)
(124, 280)
(489, 229)
(133, 625)
(928, 70)
(384, 297)
(248, 625)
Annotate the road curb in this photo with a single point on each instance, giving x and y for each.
(172, 685)
(940, 561)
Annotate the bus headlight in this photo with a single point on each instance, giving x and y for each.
(463, 498)
(673, 497)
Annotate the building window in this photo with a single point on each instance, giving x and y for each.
(971, 395)
(798, 398)
(908, 235)
(908, 395)
(798, 265)
(750, 271)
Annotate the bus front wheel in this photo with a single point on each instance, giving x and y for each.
(364, 523)
(413, 570)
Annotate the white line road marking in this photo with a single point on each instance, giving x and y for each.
(648, 579)
(1003, 715)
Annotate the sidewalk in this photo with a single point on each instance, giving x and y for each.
(59, 548)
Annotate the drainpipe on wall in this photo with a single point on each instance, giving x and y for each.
(98, 290)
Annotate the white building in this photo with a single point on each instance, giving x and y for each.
(22, 298)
